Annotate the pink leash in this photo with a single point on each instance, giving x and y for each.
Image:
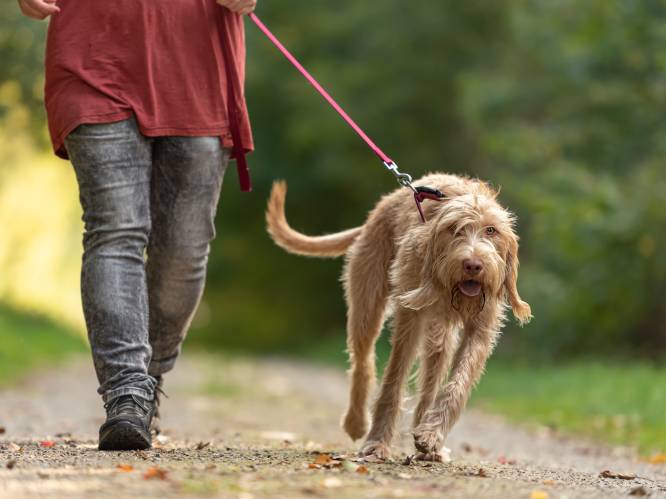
(404, 179)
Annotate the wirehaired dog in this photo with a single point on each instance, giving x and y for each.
(447, 283)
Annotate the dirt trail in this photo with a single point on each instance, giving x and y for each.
(252, 428)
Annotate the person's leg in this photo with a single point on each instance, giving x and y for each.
(187, 178)
(113, 167)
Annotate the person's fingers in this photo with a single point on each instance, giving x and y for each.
(232, 5)
(247, 10)
(42, 7)
(29, 11)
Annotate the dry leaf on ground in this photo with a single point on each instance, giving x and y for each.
(322, 459)
(362, 470)
(539, 494)
(155, 473)
(11, 464)
(202, 445)
(619, 476)
(657, 459)
(126, 468)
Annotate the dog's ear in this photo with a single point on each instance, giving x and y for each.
(521, 309)
(427, 293)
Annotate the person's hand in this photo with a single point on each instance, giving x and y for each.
(241, 7)
(38, 9)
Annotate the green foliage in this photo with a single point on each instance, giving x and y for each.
(31, 341)
(22, 56)
(618, 403)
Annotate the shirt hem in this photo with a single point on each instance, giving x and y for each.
(221, 131)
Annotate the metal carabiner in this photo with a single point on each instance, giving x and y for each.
(404, 179)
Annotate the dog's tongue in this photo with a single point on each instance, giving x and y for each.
(470, 288)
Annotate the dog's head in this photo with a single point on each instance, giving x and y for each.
(471, 255)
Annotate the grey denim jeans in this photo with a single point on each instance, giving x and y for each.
(149, 206)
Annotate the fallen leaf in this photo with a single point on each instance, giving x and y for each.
(549, 482)
(657, 459)
(322, 459)
(620, 476)
(47, 444)
(314, 466)
(638, 491)
(12, 447)
(11, 464)
(331, 482)
(155, 473)
(539, 494)
(482, 473)
(126, 468)
(363, 470)
(202, 445)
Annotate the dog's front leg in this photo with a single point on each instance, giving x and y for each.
(405, 339)
(476, 347)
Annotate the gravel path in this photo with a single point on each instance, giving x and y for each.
(269, 428)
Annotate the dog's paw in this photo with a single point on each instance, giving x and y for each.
(355, 424)
(428, 440)
(375, 449)
(443, 456)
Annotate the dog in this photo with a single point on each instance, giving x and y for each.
(447, 283)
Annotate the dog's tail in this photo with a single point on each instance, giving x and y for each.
(294, 242)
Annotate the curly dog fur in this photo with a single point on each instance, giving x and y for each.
(447, 283)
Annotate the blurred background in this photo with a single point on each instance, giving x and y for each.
(562, 104)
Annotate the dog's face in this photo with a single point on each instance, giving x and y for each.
(471, 256)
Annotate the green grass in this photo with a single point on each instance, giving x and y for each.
(622, 404)
(28, 342)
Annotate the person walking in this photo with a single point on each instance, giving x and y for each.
(146, 99)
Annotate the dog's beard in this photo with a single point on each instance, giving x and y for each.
(457, 296)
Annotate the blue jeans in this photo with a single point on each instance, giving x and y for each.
(149, 206)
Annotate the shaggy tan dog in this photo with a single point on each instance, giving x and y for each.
(447, 284)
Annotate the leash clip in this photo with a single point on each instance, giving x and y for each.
(420, 193)
(404, 179)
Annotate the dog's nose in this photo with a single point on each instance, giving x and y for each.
(472, 266)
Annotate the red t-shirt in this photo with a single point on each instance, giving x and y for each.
(161, 61)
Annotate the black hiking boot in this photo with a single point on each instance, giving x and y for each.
(127, 425)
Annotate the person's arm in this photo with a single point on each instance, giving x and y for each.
(38, 9)
(241, 7)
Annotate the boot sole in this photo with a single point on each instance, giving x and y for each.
(124, 435)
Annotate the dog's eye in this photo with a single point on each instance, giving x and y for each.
(491, 231)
